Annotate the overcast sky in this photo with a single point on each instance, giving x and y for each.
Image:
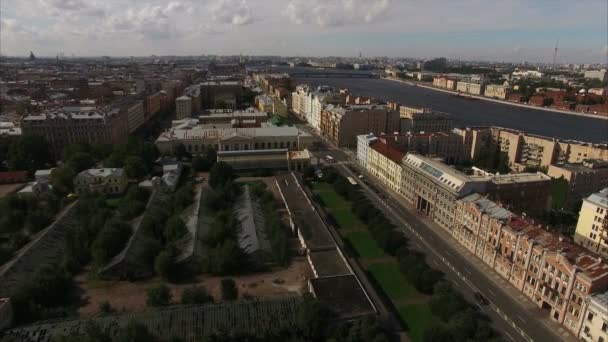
(502, 30)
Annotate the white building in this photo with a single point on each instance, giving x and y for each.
(601, 75)
(183, 107)
(592, 227)
(363, 142)
(102, 181)
(595, 319)
(527, 74)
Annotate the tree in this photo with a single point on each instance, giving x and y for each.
(110, 241)
(92, 332)
(163, 264)
(135, 167)
(81, 161)
(105, 307)
(310, 318)
(309, 172)
(29, 152)
(229, 289)
(200, 164)
(220, 174)
(158, 296)
(196, 295)
(62, 180)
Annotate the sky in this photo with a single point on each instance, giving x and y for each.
(498, 30)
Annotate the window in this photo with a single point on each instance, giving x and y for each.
(590, 316)
(605, 327)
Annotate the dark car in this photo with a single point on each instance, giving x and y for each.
(481, 299)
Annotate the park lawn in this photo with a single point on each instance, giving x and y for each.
(393, 283)
(346, 219)
(418, 318)
(365, 245)
(330, 198)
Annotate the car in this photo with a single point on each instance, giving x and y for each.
(481, 299)
(360, 176)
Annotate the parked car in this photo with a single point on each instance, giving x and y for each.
(481, 299)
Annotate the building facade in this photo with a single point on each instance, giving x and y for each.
(81, 125)
(183, 107)
(424, 120)
(342, 125)
(583, 178)
(497, 91)
(470, 88)
(101, 181)
(601, 75)
(595, 320)
(592, 227)
(384, 163)
(221, 94)
(363, 142)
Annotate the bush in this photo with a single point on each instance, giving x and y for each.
(196, 295)
(105, 307)
(229, 289)
(174, 229)
(110, 241)
(158, 296)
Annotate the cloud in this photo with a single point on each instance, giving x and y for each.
(234, 12)
(331, 13)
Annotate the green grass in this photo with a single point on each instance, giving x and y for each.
(365, 245)
(393, 283)
(418, 318)
(330, 197)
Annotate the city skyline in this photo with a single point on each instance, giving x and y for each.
(514, 31)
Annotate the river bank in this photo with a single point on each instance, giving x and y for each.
(569, 112)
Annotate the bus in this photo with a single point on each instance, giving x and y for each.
(351, 180)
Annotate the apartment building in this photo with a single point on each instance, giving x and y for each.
(320, 100)
(554, 273)
(183, 107)
(444, 82)
(300, 101)
(595, 320)
(342, 125)
(522, 191)
(265, 103)
(363, 143)
(474, 139)
(470, 88)
(228, 116)
(601, 75)
(583, 178)
(101, 181)
(65, 126)
(424, 120)
(497, 91)
(221, 94)
(384, 162)
(433, 188)
(592, 227)
(196, 137)
(155, 103)
(194, 92)
(538, 151)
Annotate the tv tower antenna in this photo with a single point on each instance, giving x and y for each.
(555, 53)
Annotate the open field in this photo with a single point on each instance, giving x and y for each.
(339, 207)
(365, 245)
(417, 317)
(131, 296)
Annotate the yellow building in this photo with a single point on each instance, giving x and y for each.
(384, 162)
(101, 181)
(497, 91)
(592, 227)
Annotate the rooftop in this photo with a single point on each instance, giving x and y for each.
(389, 151)
(600, 301)
(599, 198)
(189, 130)
(488, 207)
(343, 295)
(102, 172)
(520, 178)
(329, 263)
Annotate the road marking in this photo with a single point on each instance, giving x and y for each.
(467, 270)
(418, 246)
(521, 318)
(491, 292)
(435, 262)
(511, 337)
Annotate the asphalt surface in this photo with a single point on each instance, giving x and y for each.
(513, 319)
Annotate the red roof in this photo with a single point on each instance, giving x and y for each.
(13, 177)
(389, 151)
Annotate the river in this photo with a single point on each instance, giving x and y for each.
(469, 112)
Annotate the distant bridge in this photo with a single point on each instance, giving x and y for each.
(331, 75)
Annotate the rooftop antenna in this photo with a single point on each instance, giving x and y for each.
(555, 53)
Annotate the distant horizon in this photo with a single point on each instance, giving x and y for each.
(510, 32)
